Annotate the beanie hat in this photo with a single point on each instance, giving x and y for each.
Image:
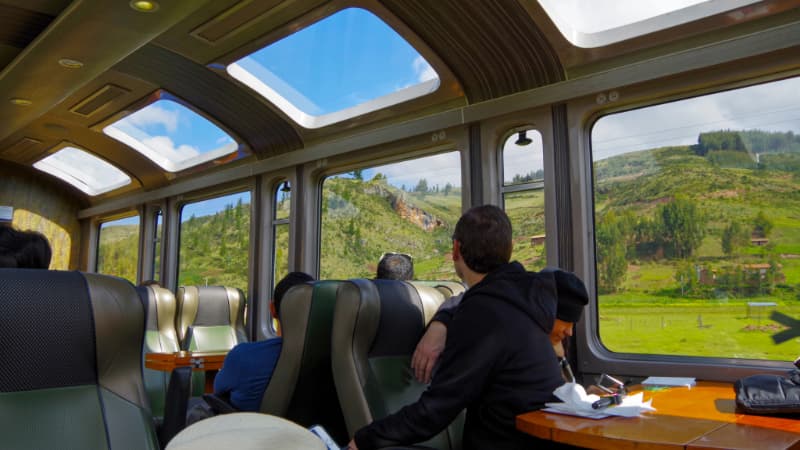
(572, 296)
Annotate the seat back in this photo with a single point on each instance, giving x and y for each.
(159, 337)
(301, 388)
(377, 324)
(447, 288)
(71, 375)
(210, 318)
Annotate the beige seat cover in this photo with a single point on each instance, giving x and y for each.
(245, 431)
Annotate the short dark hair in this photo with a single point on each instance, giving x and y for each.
(288, 282)
(395, 266)
(484, 237)
(24, 249)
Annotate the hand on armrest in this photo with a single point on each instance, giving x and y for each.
(428, 350)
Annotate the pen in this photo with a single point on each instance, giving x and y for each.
(605, 402)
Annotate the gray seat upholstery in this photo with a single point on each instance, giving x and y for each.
(301, 388)
(159, 337)
(71, 375)
(210, 318)
(377, 324)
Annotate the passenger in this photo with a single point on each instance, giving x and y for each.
(572, 297)
(248, 367)
(395, 266)
(23, 249)
(498, 361)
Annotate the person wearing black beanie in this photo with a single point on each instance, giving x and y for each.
(572, 295)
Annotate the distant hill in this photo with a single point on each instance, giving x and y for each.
(364, 218)
(730, 182)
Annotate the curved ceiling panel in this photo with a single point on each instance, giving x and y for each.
(266, 132)
(492, 46)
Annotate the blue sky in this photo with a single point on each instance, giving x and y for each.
(339, 62)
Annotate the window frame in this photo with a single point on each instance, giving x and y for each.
(98, 228)
(595, 358)
(181, 201)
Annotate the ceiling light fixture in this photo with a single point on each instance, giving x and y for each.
(286, 187)
(21, 102)
(523, 139)
(144, 6)
(70, 63)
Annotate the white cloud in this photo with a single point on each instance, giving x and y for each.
(164, 146)
(438, 169)
(521, 160)
(770, 107)
(154, 115)
(423, 70)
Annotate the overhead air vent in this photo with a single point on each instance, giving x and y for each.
(23, 151)
(98, 100)
(233, 19)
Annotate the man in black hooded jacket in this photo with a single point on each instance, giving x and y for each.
(498, 361)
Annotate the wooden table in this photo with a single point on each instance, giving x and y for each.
(702, 417)
(209, 362)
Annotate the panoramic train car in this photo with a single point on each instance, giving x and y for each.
(652, 148)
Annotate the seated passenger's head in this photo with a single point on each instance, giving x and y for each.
(482, 239)
(572, 298)
(395, 266)
(289, 281)
(24, 249)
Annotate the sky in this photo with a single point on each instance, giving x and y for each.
(341, 61)
(590, 16)
(174, 132)
(97, 176)
(769, 107)
(593, 23)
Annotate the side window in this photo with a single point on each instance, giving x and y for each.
(159, 235)
(697, 231)
(523, 196)
(280, 228)
(214, 242)
(118, 248)
(407, 207)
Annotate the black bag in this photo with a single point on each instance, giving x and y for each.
(768, 394)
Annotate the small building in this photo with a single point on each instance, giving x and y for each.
(538, 240)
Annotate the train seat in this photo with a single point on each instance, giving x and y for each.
(71, 375)
(377, 324)
(210, 318)
(301, 388)
(447, 288)
(159, 337)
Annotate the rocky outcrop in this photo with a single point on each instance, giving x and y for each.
(406, 209)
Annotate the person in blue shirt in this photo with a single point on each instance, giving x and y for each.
(248, 367)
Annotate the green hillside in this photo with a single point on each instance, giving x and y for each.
(363, 219)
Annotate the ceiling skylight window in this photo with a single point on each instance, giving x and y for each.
(595, 23)
(86, 172)
(345, 65)
(172, 135)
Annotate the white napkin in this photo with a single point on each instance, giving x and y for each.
(577, 402)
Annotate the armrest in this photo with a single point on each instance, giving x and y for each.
(219, 403)
(178, 392)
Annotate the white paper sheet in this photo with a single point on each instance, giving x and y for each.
(577, 402)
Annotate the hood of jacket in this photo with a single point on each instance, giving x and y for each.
(532, 293)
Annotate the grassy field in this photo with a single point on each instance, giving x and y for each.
(701, 328)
